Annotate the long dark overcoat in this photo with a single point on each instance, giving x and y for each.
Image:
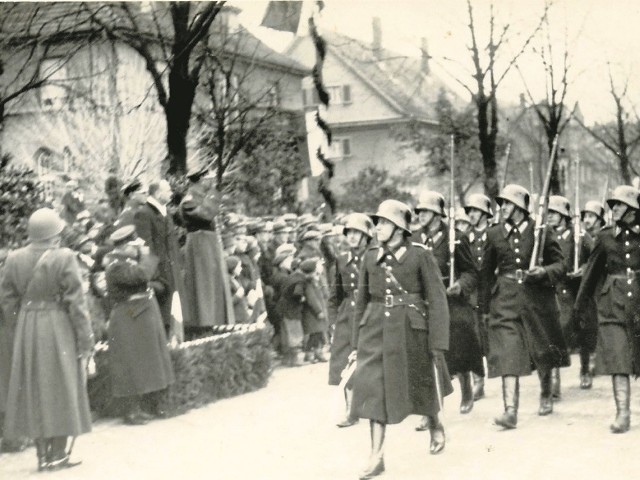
(464, 353)
(7, 334)
(523, 326)
(139, 358)
(617, 294)
(477, 239)
(342, 307)
(159, 233)
(207, 294)
(395, 375)
(566, 291)
(47, 395)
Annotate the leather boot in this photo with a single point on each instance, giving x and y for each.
(59, 457)
(42, 453)
(466, 392)
(478, 387)
(134, 414)
(348, 419)
(320, 355)
(423, 425)
(621, 394)
(586, 380)
(546, 396)
(376, 460)
(511, 399)
(296, 357)
(436, 429)
(555, 383)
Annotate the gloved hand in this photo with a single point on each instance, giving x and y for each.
(353, 356)
(536, 274)
(576, 274)
(454, 290)
(437, 355)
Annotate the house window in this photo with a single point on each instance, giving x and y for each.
(272, 96)
(340, 148)
(52, 94)
(338, 95)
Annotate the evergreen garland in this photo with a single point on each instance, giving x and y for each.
(237, 359)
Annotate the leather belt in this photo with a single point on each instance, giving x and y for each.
(517, 275)
(399, 300)
(629, 275)
(41, 304)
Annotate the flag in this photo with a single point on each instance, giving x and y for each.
(284, 16)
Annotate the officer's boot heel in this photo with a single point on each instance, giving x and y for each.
(555, 384)
(42, 453)
(621, 394)
(546, 396)
(511, 398)
(478, 387)
(376, 460)
(466, 392)
(438, 439)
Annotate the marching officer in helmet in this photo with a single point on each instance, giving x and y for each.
(479, 211)
(611, 275)
(402, 331)
(592, 216)
(519, 304)
(464, 355)
(358, 230)
(463, 222)
(593, 220)
(559, 221)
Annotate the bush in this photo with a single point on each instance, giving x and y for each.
(235, 360)
(20, 195)
(371, 187)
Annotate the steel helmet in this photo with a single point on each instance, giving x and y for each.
(461, 215)
(360, 222)
(479, 202)
(624, 194)
(560, 204)
(594, 207)
(432, 201)
(44, 224)
(515, 194)
(396, 212)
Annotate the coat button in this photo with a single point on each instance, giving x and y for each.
(626, 243)
(627, 255)
(386, 314)
(388, 280)
(388, 291)
(353, 275)
(352, 284)
(515, 240)
(517, 250)
(629, 294)
(517, 260)
(352, 303)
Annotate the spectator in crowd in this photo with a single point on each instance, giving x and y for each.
(139, 358)
(72, 202)
(207, 290)
(238, 293)
(156, 228)
(289, 290)
(42, 291)
(134, 199)
(112, 189)
(314, 311)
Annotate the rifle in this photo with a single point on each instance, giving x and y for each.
(541, 218)
(576, 218)
(608, 220)
(452, 222)
(504, 176)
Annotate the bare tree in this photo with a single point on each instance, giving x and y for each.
(621, 137)
(486, 78)
(170, 37)
(552, 110)
(29, 34)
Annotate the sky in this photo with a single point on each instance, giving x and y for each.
(599, 35)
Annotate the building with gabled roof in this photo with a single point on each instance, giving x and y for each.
(373, 93)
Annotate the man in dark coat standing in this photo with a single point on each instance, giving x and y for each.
(519, 304)
(155, 226)
(611, 276)
(402, 333)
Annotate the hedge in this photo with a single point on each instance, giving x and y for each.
(236, 359)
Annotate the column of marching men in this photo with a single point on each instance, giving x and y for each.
(582, 297)
(370, 294)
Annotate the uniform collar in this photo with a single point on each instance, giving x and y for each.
(399, 254)
(157, 205)
(509, 227)
(624, 227)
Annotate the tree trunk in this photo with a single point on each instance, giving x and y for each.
(178, 114)
(488, 151)
(625, 172)
(555, 185)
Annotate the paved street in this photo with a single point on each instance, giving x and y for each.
(286, 431)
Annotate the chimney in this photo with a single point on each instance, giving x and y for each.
(424, 63)
(377, 37)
